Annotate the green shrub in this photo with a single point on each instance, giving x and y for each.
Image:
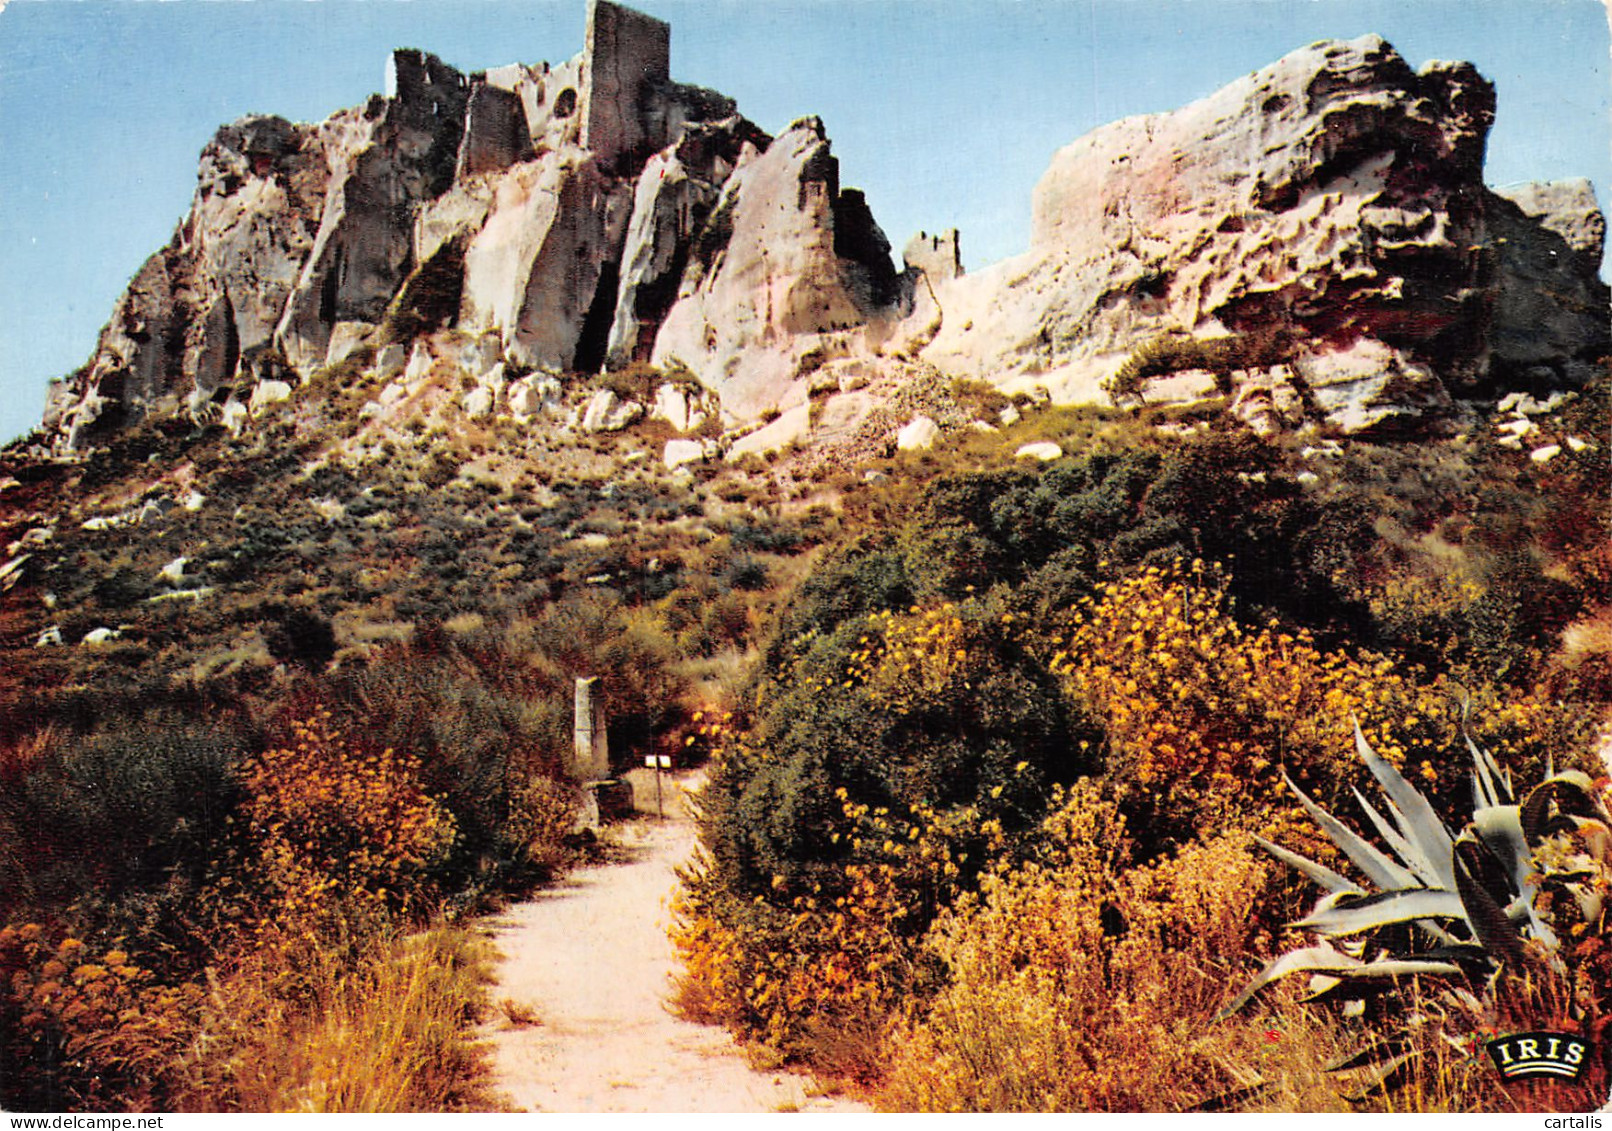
(137, 807)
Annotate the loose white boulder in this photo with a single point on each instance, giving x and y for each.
(671, 405)
(389, 361)
(174, 572)
(919, 435)
(607, 412)
(681, 452)
(265, 393)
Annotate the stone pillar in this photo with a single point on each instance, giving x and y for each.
(628, 62)
(592, 758)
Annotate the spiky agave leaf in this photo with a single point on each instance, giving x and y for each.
(1410, 854)
(1490, 784)
(1376, 977)
(1418, 822)
(1320, 873)
(1473, 866)
(1500, 829)
(1384, 909)
(1378, 1050)
(1379, 869)
(1377, 1078)
(1481, 886)
(1324, 959)
(1570, 793)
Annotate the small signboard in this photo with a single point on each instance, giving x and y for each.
(1522, 1055)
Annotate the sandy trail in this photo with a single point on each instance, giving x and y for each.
(592, 959)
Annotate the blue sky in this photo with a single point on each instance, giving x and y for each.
(945, 111)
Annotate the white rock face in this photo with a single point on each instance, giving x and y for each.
(265, 393)
(1546, 453)
(100, 636)
(1044, 450)
(531, 272)
(1276, 210)
(478, 402)
(1549, 314)
(1567, 208)
(671, 203)
(681, 452)
(919, 435)
(802, 268)
(666, 204)
(1369, 384)
(1326, 214)
(606, 412)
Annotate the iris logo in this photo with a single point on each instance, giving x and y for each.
(1522, 1055)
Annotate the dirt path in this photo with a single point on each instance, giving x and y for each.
(592, 960)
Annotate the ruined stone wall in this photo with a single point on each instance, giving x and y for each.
(496, 134)
(937, 256)
(627, 64)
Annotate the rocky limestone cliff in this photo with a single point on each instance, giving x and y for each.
(1313, 243)
(495, 203)
(1324, 218)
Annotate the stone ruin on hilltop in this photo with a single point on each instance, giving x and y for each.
(1313, 242)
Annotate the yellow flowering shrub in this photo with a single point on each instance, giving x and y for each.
(333, 821)
(1202, 713)
(95, 1028)
(891, 763)
(908, 757)
(335, 838)
(1080, 980)
(799, 976)
(542, 813)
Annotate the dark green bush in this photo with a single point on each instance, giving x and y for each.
(130, 808)
(956, 747)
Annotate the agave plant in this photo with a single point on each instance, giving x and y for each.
(1477, 908)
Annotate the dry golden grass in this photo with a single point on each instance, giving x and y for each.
(391, 1035)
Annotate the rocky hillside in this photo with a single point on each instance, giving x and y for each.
(1001, 608)
(1312, 243)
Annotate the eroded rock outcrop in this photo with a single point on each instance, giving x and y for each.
(1313, 242)
(497, 202)
(1550, 319)
(1325, 214)
(786, 272)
